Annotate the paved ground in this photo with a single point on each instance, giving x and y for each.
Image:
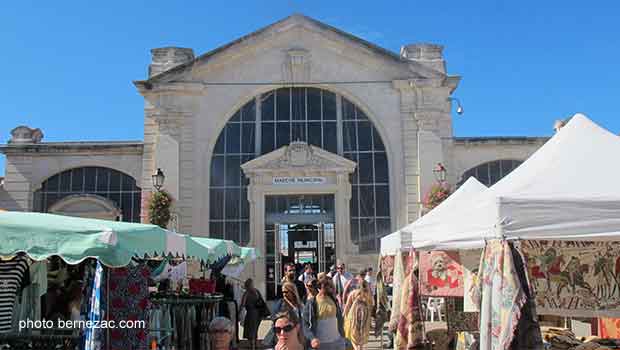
(373, 344)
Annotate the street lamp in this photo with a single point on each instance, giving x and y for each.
(158, 179)
(459, 108)
(440, 173)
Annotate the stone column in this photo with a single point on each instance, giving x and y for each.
(256, 197)
(344, 244)
(408, 103)
(18, 184)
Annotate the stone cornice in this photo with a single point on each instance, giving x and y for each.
(407, 84)
(186, 88)
(75, 148)
(499, 140)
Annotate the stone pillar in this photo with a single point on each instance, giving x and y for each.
(18, 184)
(256, 197)
(409, 127)
(344, 244)
(431, 151)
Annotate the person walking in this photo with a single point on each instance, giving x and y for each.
(290, 301)
(307, 275)
(358, 312)
(253, 302)
(291, 276)
(323, 319)
(312, 288)
(372, 281)
(340, 280)
(221, 332)
(352, 285)
(288, 329)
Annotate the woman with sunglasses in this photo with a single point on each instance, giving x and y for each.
(288, 330)
(290, 302)
(221, 333)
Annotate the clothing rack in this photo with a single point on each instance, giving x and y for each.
(187, 300)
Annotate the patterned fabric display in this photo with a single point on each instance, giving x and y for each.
(441, 274)
(90, 334)
(470, 260)
(574, 278)
(499, 295)
(410, 331)
(459, 321)
(128, 300)
(609, 328)
(387, 268)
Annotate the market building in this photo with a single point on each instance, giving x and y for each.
(299, 139)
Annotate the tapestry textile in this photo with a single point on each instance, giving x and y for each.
(609, 328)
(410, 331)
(459, 321)
(574, 278)
(387, 268)
(441, 274)
(499, 295)
(470, 260)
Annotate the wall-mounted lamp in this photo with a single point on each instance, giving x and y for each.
(158, 179)
(459, 107)
(440, 173)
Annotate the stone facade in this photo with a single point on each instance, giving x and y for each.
(188, 101)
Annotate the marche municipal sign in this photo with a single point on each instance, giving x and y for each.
(299, 180)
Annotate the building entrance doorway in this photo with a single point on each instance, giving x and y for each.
(299, 229)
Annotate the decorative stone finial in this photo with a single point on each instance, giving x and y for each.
(25, 135)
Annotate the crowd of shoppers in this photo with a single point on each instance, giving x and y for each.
(329, 310)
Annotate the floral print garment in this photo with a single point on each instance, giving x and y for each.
(128, 300)
(500, 296)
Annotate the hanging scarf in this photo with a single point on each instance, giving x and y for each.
(500, 296)
(398, 279)
(95, 309)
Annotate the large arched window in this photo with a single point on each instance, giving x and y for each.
(119, 188)
(491, 172)
(318, 117)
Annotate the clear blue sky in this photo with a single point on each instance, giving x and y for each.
(67, 66)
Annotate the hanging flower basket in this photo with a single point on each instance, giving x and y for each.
(159, 209)
(437, 194)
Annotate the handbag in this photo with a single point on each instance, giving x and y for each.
(242, 314)
(262, 307)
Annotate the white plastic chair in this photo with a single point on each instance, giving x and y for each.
(434, 307)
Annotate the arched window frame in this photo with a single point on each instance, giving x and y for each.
(320, 117)
(489, 173)
(114, 185)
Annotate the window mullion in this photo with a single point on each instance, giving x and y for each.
(258, 129)
(339, 127)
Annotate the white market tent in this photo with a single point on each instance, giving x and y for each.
(401, 240)
(567, 190)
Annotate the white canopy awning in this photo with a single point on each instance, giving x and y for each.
(568, 189)
(402, 239)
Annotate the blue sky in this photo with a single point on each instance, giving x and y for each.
(68, 66)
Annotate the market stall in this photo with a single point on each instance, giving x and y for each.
(108, 271)
(553, 221)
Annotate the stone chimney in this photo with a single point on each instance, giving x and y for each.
(166, 58)
(25, 135)
(429, 55)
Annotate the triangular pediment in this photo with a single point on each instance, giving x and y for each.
(295, 22)
(299, 157)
